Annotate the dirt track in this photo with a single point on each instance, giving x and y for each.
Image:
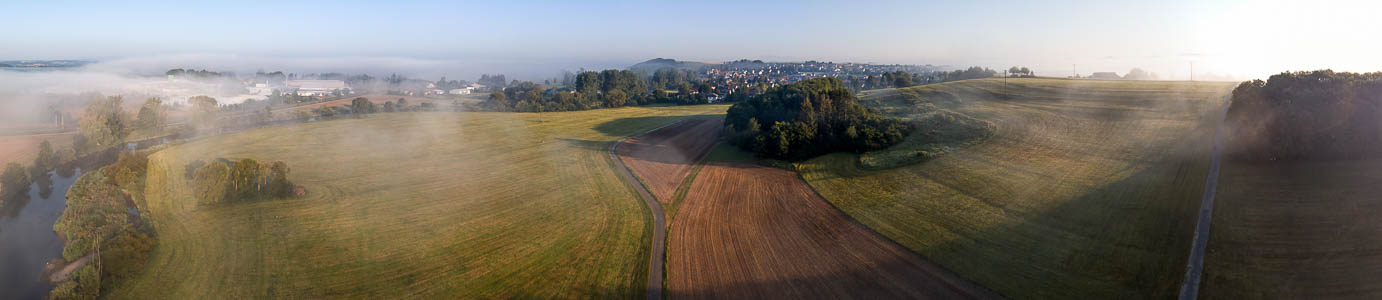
(663, 158)
(747, 231)
(1190, 288)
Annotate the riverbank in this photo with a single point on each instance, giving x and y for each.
(102, 224)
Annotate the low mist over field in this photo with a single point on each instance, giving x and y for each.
(748, 149)
(27, 93)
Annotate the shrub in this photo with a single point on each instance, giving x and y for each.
(244, 179)
(210, 183)
(126, 253)
(191, 168)
(47, 159)
(14, 180)
(126, 171)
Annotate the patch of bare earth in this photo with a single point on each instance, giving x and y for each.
(753, 232)
(663, 158)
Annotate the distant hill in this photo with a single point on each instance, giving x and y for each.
(659, 63)
(43, 63)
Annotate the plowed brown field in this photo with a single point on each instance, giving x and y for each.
(21, 149)
(747, 231)
(663, 158)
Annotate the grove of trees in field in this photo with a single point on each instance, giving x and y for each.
(809, 118)
(1307, 115)
(243, 180)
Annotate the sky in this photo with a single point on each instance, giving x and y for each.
(540, 38)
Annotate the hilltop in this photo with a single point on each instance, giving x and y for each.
(660, 63)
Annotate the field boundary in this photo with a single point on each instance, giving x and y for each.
(656, 264)
(1194, 268)
(889, 240)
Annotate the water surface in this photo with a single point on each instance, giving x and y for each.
(27, 240)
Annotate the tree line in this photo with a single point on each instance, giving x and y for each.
(809, 118)
(1307, 115)
(592, 90)
(96, 221)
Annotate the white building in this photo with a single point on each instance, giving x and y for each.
(464, 91)
(316, 87)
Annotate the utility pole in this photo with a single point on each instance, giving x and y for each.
(1005, 81)
(1192, 71)
(1073, 72)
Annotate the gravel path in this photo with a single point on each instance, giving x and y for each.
(655, 264)
(1194, 268)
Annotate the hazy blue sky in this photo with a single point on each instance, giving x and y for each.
(1241, 37)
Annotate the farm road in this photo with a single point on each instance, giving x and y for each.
(1190, 289)
(655, 264)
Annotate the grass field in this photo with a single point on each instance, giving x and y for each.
(1302, 230)
(1087, 189)
(413, 205)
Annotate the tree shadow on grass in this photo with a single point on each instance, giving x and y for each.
(1124, 238)
(586, 144)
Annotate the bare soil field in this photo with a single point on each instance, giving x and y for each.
(22, 148)
(664, 158)
(752, 232)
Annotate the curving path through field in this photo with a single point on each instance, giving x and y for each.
(655, 265)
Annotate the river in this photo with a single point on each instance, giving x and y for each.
(27, 240)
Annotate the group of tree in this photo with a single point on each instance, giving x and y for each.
(493, 81)
(592, 90)
(1020, 72)
(451, 84)
(809, 118)
(1307, 115)
(152, 115)
(361, 106)
(105, 122)
(968, 73)
(1139, 74)
(895, 79)
(14, 181)
(671, 78)
(205, 112)
(244, 180)
(96, 222)
(198, 74)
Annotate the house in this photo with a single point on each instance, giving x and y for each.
(464, 91)
(316, 87)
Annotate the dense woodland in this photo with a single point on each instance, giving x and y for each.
(1307, 115)
(809, 118)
